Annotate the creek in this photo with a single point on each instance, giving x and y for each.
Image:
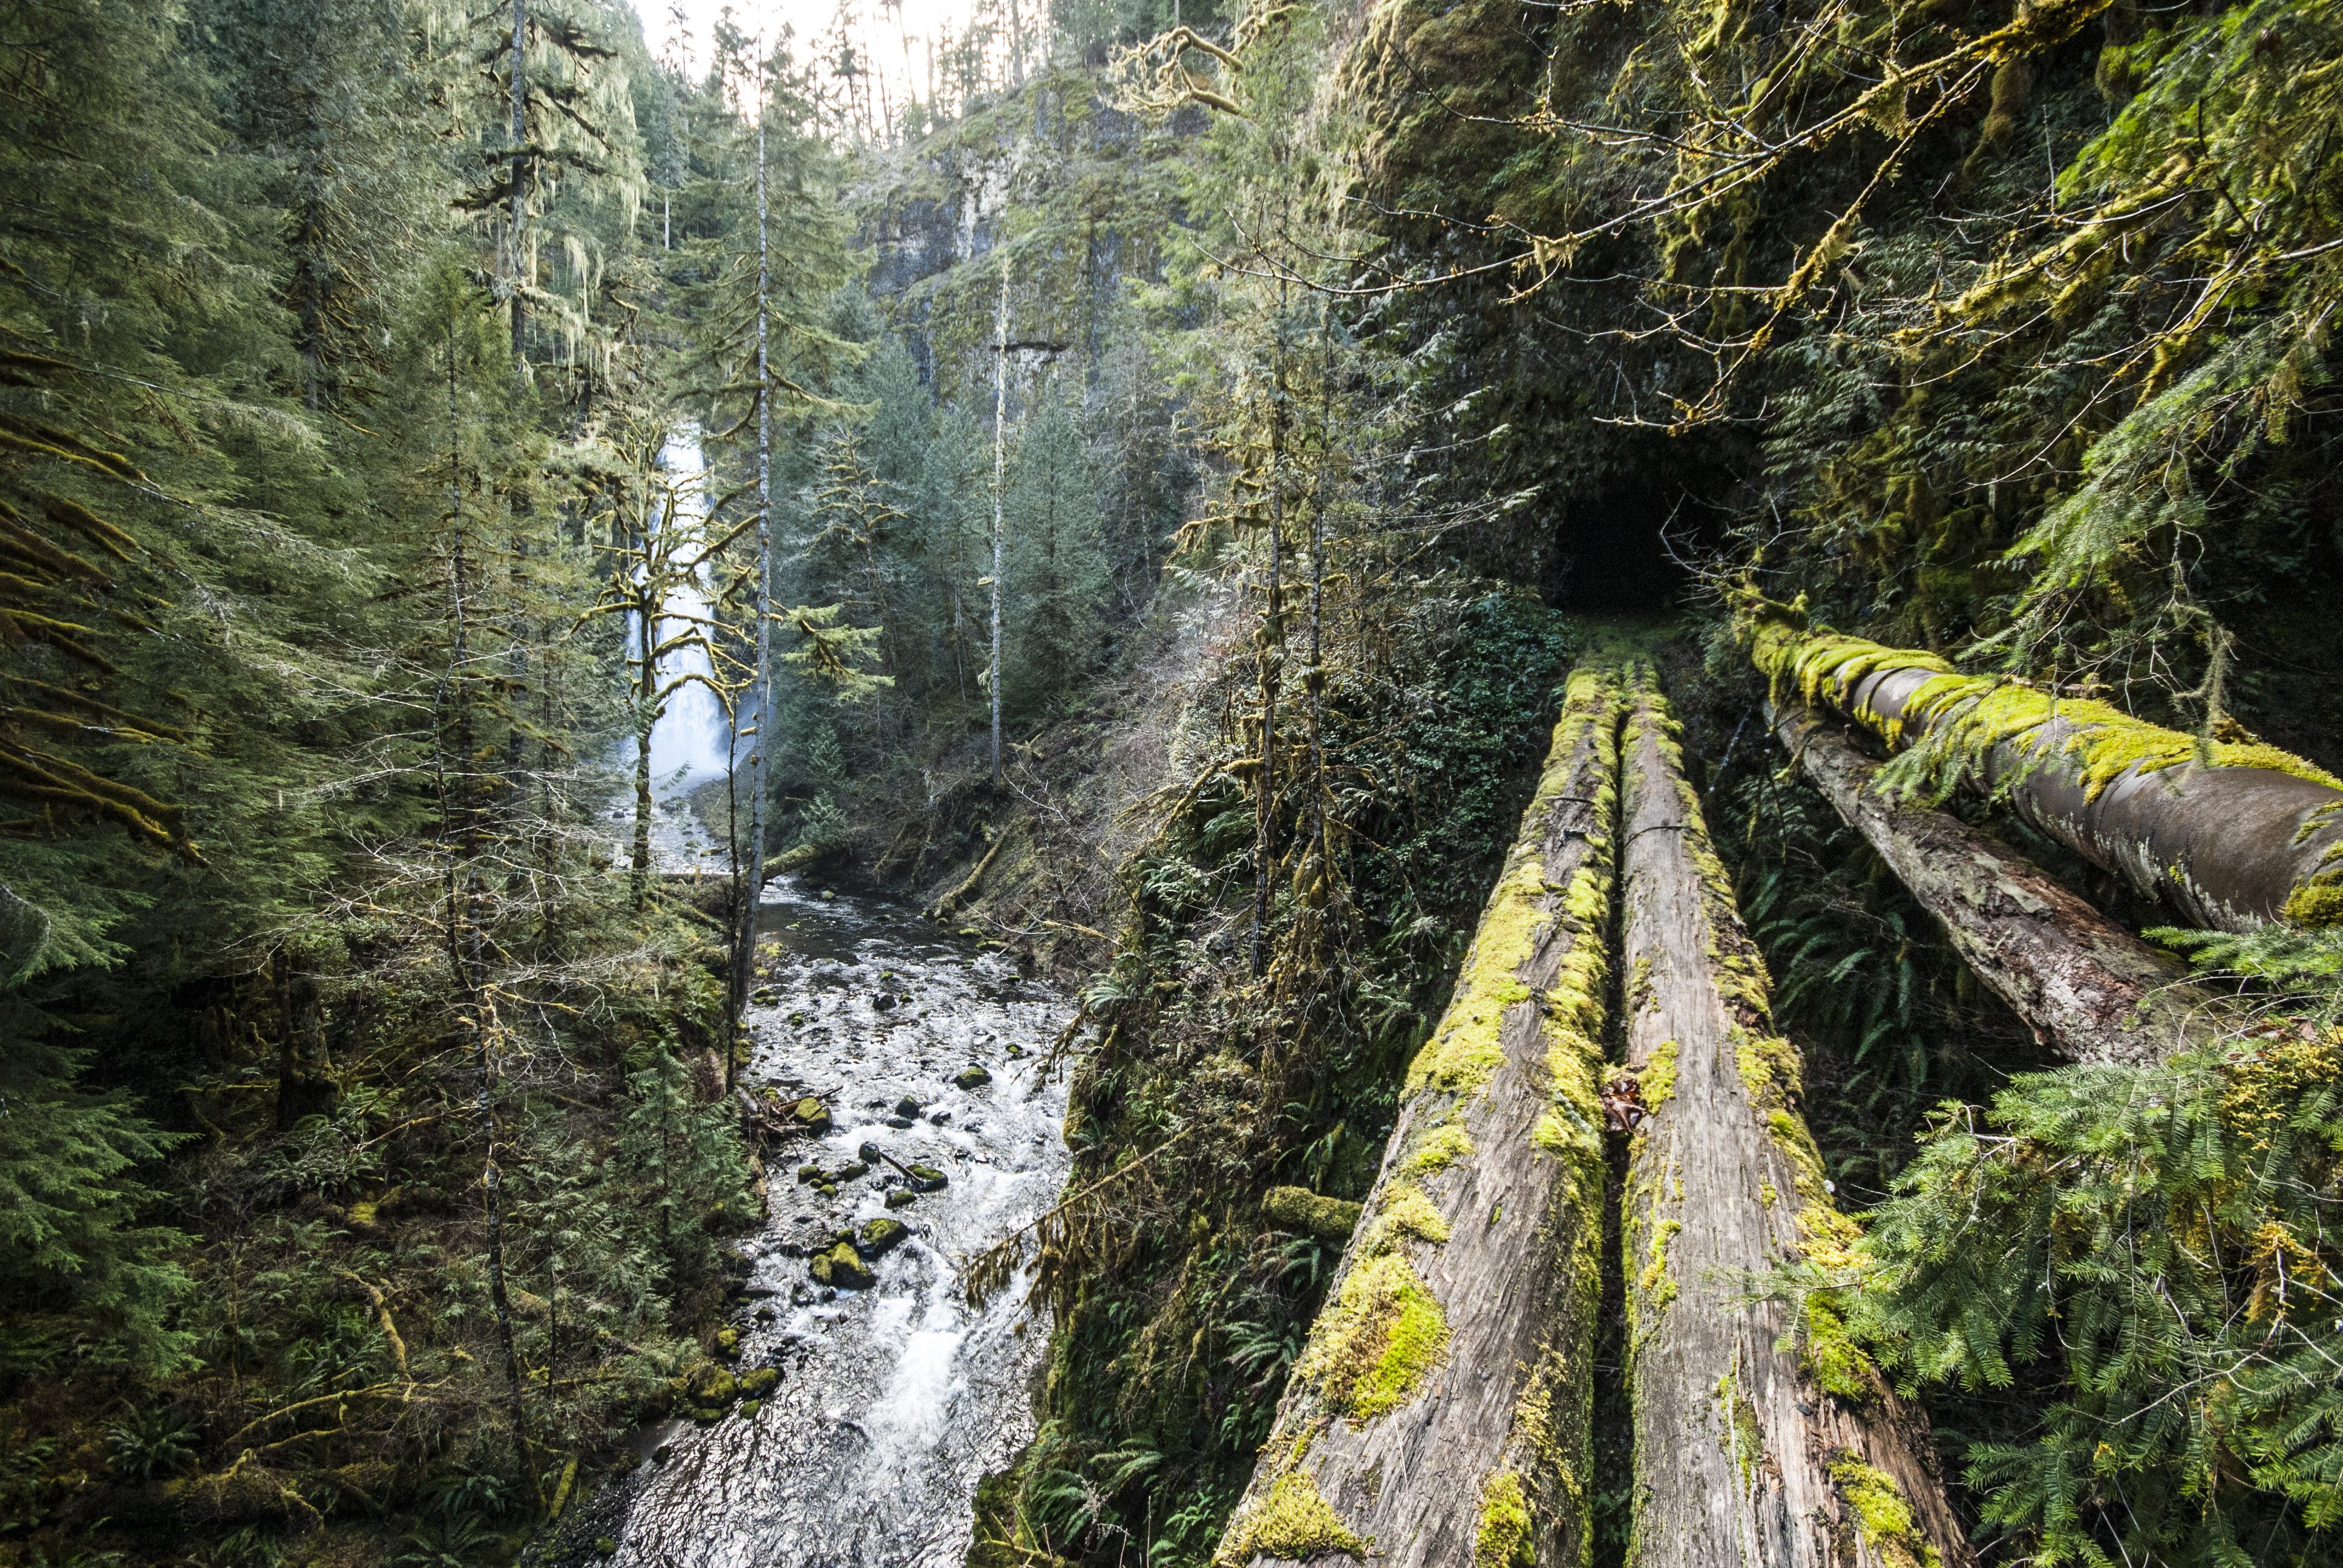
(895, 1401)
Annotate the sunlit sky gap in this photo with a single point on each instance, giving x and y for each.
(896, 41)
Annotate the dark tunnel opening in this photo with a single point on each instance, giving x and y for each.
(1630, 548)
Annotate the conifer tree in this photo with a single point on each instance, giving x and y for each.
(1057, 577)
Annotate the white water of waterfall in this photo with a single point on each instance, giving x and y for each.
(691, 737)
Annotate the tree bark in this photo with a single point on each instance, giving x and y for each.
(999, 488)
(2090, 990)
(2233, 847)
(1761, 1436)
(1441, 1408)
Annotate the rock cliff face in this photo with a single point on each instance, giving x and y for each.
(1088, 187)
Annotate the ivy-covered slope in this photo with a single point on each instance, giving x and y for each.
(1980, 325)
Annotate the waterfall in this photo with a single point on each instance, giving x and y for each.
(692, 738)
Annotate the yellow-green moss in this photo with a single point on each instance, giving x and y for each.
(1659, 1076)
(1442, 1147)
(1882, 1513)
(1655, 1282)
(1831, 1358)
(1289, 1521)
(1507, 1537)
(1968, 716)
(1299, 1210)
(1744, 1438)
(1574, 1019)
(1405, 1213)
(1369, 1350)
(1465, 1050)
(2317, 901)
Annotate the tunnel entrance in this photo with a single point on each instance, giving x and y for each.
(1625, 546)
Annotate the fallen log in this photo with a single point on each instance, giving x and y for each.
(2230, 835)
(1762, 1436)
(1441, 1407)
(2087, 988)
(709, 896)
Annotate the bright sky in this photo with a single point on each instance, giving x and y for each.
(894, 37)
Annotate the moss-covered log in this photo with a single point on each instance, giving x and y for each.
(2088, 989)
(1440, 1410)
(1761, 1434)
(2230, 835)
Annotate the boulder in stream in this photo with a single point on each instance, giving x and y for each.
(879, 1237)
(973, 1078)
(900, 1198)
(841, 1268)
(812, 1115)
(928, 1179)
(906, 1106)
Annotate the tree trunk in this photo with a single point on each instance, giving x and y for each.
(749, 868)
(999, 488)
(304, 1083)
(2234, 846)
(2090, 990)
(645, 721)
(1749, 1449)
(1441, 1407)
(1269, 666)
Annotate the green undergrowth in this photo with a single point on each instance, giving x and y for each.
(2124, 1370)
(331, 1385)
(1180, 1307)
(2165, 1249)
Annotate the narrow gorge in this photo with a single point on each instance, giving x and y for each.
(1170, 784)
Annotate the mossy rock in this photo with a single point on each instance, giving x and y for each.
(705, 1386)
(808, 1174)
(880, 1236)
(811, 1115)
(906, 1106)
(1308, 1214)
(973, 1078)
(900, 1198)
(763, 996)
(728, 1343)
(757, 1384)
(928, 1179)
(854, 1172)
(841, 1268)
(748, 1409)
(605, 1546)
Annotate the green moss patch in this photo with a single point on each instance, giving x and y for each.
(1292, 1521)
(1507, 1537)
(1373, 1347)
(1442, 1147)
(1308, 1214)
(1966, 716)
(1405, 1214)
(1882, 1513)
